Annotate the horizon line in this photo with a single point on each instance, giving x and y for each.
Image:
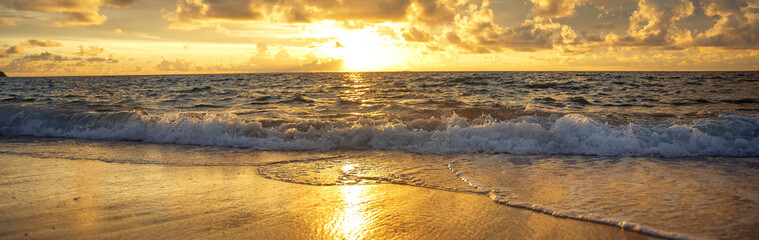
(296, 72)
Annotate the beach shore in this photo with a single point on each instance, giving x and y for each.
(49, 198)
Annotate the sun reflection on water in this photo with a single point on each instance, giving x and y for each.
(348, 168)
(356, 89)
(357, 98)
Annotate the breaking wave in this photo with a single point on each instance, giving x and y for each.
(725, 135)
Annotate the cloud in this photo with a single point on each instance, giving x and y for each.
(736, 26)
(191, 14)
(555, 8)
(110, 59)
(262, 49)
(477, 32)
(119, 3)
(47, 63)
(118, 31)
(283, 61)
(178, 65)
(40, 43)
(452, 37)
(15, 49)
(330, 65)
(7, 22)
(653, 23)
(76, 12)
(322, 65)
(434, 12)
(89, 51)
(470, 24)
(19, 48)
(95, 59)
(46, 56)
(414, 34)
(282, 55)
(307, 64)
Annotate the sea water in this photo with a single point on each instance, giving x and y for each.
(670, 154)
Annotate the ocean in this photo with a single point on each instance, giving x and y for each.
(667, 154)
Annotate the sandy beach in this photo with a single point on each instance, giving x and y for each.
(49, 198)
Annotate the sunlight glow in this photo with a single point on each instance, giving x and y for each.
(360, 49)
(348, 168)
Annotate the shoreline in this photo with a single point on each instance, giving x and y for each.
(62, 198)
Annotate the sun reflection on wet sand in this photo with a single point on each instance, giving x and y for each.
(350, 221)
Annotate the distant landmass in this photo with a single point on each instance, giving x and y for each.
(2, 74)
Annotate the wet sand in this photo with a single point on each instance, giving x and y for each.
(83, 199)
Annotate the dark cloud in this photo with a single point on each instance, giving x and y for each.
(555, 8)
(483, 35)
(120, 3)
(96, 59)
(434, 12)
(15, 49)
(76, 12)
(736, 26)
(191, 14)
(452, 37)
(44, 62)
(19, 48)
(653, 24)
(45, 56)
(41, 43)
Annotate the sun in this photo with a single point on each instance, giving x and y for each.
(364, 50)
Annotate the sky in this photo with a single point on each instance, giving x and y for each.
(132, 37)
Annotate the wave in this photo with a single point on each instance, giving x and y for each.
(725, 135)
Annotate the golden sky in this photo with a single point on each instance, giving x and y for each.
(104, 37)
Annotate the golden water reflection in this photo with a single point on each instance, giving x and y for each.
(356, 89)
(356, 96)
(351, 219)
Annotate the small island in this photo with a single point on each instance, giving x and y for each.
(2, 74)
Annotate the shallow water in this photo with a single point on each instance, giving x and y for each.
(670, 154)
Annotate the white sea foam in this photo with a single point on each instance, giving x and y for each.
(728, 135)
